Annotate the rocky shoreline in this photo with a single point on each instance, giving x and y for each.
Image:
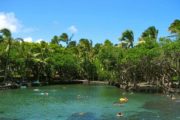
(14, 85)
(147, 88)
(140, 87)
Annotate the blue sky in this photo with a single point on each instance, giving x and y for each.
(93, 19)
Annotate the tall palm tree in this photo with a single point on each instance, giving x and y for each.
(22, 54)
(84, 50)
(128, 37)
(41, 60)
(6, 36)
(150, 33)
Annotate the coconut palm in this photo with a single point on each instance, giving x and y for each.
(175, 27)
(149, 34)
(127, 37)
(23, 57)
(84, 54)
(55, 40)
(65, 38)
(6, 36)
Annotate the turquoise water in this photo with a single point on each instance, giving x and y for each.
(83, 102)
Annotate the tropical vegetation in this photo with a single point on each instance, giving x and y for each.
(154, 60)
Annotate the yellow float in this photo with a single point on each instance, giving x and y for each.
(123, 100)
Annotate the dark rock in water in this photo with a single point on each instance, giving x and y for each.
(1, 112)
(82, 116)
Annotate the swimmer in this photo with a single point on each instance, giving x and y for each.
(78, 96)
(119, 114)
(44, 93)
(36, 90)
(41, 93)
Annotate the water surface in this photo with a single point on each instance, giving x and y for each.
(84, 102)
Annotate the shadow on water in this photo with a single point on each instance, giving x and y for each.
(144, 116)
(1, 112)
(2, 118)
(136, 116)
(83, 116)
(166, 109)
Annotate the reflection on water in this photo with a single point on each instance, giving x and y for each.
(77, 102)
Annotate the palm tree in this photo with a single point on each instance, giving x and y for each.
(149, 34)
(65, 38)
(85, 52)
(175, 27)
(22, 54)
(55, 40)
(41, 60)
(128, 37)
(6, 36)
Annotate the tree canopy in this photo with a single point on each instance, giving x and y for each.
(153, 61)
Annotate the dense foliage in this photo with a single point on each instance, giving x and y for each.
(152, 60)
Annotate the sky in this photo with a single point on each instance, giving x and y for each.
(97, 20)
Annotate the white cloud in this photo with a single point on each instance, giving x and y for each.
(9, 21)
(28, 39)
(73, 29)
(38, 40)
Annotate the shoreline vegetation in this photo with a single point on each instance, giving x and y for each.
(151, 65)
(141, 87)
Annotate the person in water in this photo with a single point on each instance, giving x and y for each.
(120, 114)
(173, 97)
(123, 100)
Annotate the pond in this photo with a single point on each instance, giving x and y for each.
(84, 102)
